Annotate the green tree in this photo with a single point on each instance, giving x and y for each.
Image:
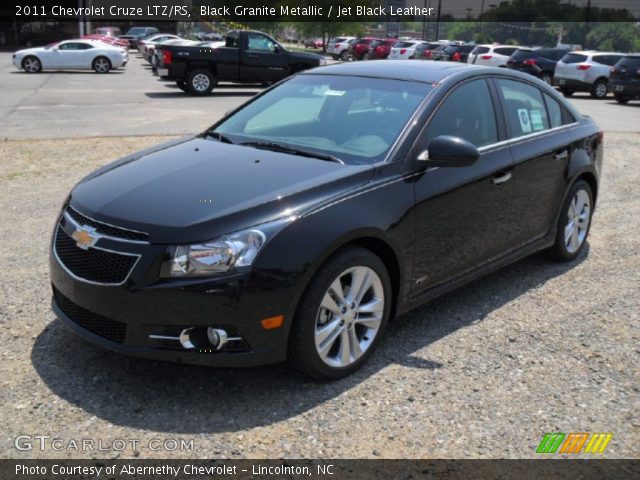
(622, 37)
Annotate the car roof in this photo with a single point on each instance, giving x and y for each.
(425, 72)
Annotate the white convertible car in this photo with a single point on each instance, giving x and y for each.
(71, 55)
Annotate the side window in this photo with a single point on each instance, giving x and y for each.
(85, 46)
(231, 41)
(466, 113)
(555, 111)
(69, 46)
(260, 43)
(524, 108)
(507, 51)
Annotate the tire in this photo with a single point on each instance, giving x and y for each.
(31, 64)
(182, 85)
(566, 92)
(571, 241)
(547, 78)
(599, 89)
(345, 331)
(101, 65)
(200, 82)
(620, 99)
(344, 55)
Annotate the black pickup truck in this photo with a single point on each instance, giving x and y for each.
(245, 57)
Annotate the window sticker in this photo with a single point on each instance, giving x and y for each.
(335, 93)
(525, 123)
(536, 120)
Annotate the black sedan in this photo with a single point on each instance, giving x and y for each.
(298, 225)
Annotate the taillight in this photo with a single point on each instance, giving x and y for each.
(456, 57)
(337, 45)
(529, 61)
(613, 70)
(486, 57)
(428, 54)
(583, 67)
(166, 57)
(403, 51)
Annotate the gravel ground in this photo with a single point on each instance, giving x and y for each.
(482, 372)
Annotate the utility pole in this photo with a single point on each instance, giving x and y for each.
(438, 20)
(586, 24)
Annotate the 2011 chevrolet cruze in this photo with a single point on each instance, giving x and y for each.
(299, 224)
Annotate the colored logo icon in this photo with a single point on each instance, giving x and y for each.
(582, 442)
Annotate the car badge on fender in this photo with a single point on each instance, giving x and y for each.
(85, 237)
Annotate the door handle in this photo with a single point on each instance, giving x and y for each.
(505, 177)
(561, 155)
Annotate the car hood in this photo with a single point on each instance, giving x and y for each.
(197, 189)
(34, 50)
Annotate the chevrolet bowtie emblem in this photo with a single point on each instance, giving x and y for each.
(85, 237)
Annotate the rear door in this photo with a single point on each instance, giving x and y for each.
(262, 59)
(463, 214)
(540, 147)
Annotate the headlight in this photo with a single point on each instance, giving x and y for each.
(236, 251)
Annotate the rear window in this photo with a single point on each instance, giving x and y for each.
(629, 62)
(480, 50)
(451, 49)
(574, 58)
(522, 54)
(505, 50)
(404, 44)
(336, 40)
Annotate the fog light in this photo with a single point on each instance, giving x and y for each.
(217, 337)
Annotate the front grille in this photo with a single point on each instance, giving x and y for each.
(94, 265)
(102, 326)
(106, 229)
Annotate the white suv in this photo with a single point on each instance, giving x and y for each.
(585, 71)
(338, 47)
(491, 55)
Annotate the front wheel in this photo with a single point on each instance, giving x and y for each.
(341, 316)
(101, 65)
(574, 223)
(200, 82)
(31, 64)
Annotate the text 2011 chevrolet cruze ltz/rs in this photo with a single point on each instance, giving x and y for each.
(299, 224)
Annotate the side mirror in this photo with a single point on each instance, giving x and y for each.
(449, 151)
(277, 49)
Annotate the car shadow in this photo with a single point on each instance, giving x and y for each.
(176, 398)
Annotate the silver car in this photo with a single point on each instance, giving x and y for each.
(404, 49)
(338, 47)
(585, 71)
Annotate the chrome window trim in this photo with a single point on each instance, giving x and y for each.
(69, 218)
(84, 280)
(524, 138)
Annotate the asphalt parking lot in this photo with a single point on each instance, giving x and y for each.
(483, 372)
(133, 102)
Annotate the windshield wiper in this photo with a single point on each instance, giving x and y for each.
(276, 147)
(220, 136)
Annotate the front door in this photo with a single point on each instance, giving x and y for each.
(463, 214)
(263, 60)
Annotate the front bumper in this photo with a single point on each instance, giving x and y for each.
(122, 317)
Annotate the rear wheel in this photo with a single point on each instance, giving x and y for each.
(574, 223)
(546, 77)
(101, 65)
(31, 64)
(599, 89)
(620, 99)
(567, 92)
(341, 316)
(200, 82)
(344, 55)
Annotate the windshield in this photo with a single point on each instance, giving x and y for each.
(353, 118)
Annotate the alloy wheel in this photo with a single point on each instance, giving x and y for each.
(32, 65)
(200, 82)
(101, 65)
(578, 217)
(349, 316)
(601, 90)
